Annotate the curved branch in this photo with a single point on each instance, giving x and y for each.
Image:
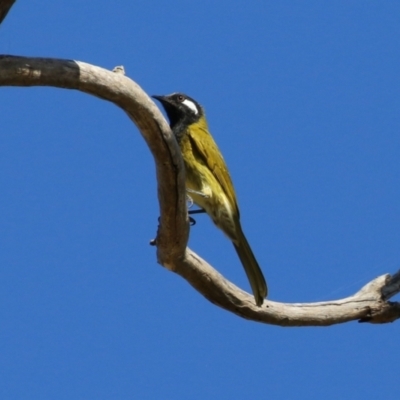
(370, 304)
(126, 94)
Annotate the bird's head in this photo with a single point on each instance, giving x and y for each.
(181, 109)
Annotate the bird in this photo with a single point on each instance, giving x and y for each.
(208, 181)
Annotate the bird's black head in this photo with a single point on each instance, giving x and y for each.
(181, 110)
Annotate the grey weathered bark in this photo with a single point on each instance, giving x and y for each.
(370, 304)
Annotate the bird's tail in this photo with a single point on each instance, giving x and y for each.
(251, 267)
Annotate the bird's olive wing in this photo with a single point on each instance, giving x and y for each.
(207, 149)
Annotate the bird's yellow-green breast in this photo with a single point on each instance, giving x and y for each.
(208, 181)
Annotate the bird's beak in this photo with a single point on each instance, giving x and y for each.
(161, 99)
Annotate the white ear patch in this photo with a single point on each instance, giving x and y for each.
(191, 105)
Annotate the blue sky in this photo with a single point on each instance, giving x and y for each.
(303, 100)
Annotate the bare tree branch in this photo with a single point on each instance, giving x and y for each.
(123, 92)
(370, 304)
(5, 6)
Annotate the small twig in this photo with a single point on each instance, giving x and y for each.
(5, 7)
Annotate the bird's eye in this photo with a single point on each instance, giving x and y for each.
(180, 98)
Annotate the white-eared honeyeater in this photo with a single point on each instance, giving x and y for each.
(208, 181)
